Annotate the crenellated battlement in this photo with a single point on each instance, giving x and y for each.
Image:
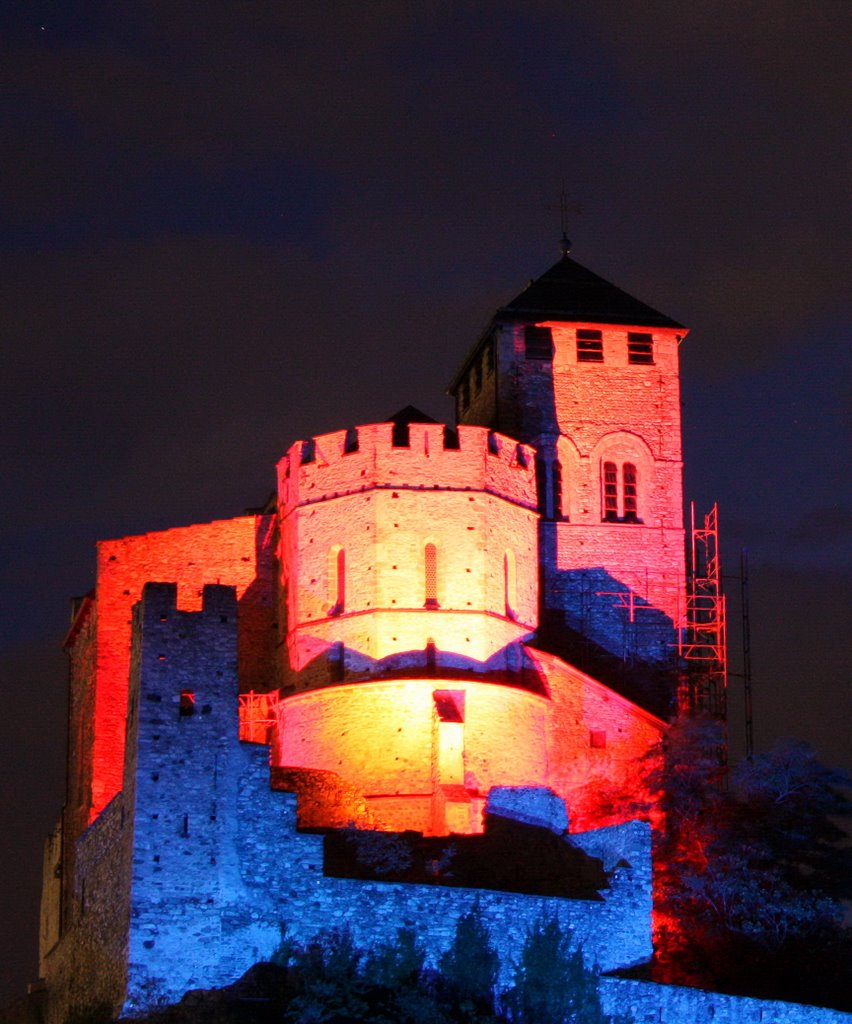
(418, 456)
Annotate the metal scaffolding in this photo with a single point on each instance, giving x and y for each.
(703, 644)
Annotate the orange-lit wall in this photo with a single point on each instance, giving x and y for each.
(383, 505)
(237, 552)
(389, 741)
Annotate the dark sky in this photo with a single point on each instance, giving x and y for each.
(226, 226)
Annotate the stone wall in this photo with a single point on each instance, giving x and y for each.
(377, 509)
(236, 552)
(670, 1004)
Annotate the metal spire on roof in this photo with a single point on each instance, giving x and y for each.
(565, 241)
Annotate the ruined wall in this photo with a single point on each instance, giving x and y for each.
(237, 552)
(86, 970)
(378, 508)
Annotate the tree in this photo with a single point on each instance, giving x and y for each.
(751, 879)
(469, 969)
(552, 982)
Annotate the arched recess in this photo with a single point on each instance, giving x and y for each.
(626, 477)
(566, 505)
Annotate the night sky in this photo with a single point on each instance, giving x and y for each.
(226, 226)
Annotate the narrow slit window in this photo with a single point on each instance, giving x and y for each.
(337, 580)
(430, 554)
(589, 346)
(541, 485)
(509, 583)
(538, 343)
(631, 506)
(610, 491)
(640, 348)
(556, 477)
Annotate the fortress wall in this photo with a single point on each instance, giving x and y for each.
(382, 506)
(671, 1004)
(597, 746)
(387, 740)
(282, 885)
(236, 552)
(87, 968)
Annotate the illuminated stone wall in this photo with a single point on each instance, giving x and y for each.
(236, 552)
(382, 506)
(595, 574)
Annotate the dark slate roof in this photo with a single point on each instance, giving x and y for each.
(410, 414)
(569, 291)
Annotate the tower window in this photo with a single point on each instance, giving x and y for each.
(430, 555)
(625, 510)
(630, 492)
(640, 348)
(610, 491)
(589, 347)
(556, 477)
(538, 343)
(337, 580)
(187, 703)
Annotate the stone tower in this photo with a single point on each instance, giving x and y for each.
(588, 375)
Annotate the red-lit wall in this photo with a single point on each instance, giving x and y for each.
(237, 552)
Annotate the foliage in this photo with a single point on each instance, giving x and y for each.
(469, 968)
(747, 873)
(331, 982)
(552, 982)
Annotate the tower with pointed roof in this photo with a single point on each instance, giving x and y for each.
(588, 375)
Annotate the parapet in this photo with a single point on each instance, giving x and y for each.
(159, 601)
(417, 456)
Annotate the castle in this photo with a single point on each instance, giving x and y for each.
(426, 622)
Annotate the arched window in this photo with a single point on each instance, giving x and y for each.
(610, 491)
(620, 493)
(430, 559)
(510, 583)
(337, 580)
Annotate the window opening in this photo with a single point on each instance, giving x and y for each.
(556, 478)
(589, 346)
(337, 580)
(610, 491)
(430, 553)
(187, 703)
(451, 438)
(538, 343)
(597, 739)
(541, 484)
(640, 348)
(630, 492)
(509, 582)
